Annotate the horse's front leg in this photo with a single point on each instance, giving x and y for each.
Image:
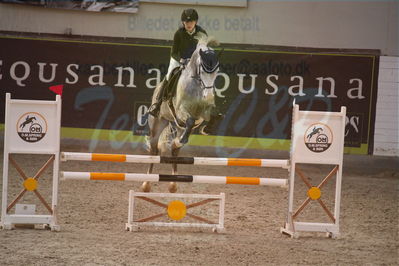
(175, 152)
(190, 122)
(146, 186)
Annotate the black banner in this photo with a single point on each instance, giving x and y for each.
(109, 85)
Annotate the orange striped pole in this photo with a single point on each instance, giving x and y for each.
(204, 179)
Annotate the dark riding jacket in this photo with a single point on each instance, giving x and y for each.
(184, 44)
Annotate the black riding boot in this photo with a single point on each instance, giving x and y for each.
(156, 106)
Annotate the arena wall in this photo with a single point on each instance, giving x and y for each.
(386, 138)
(322, 24)
(319, 24)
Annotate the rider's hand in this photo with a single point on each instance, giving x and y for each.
(184, 62)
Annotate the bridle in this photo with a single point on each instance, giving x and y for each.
(198, 76)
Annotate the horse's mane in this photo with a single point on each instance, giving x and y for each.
(204, 43)
(207, 41)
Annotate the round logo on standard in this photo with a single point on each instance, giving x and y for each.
(318, 137)
(31, 127)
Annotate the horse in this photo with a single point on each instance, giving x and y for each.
(189, 108)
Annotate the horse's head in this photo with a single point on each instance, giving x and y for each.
(207, 69)
(209, 60)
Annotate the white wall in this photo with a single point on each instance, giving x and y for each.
(323, 24)
(386, 139)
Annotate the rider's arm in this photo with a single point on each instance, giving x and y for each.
(175, 53)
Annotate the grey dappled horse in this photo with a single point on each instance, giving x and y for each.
(192, 105)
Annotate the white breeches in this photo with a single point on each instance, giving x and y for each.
(172, 65)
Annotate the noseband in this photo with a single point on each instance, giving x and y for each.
(198, 77)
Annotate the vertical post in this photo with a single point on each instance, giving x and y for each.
(295, 111)
(5, 166)
(131, 206)
(56, 163)
(221, 210)
(338, 185)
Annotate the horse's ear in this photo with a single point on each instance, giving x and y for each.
(220, 53)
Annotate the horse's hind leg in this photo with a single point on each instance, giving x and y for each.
(156, 128)
(146, 186)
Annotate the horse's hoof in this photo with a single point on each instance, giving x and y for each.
(202, 130)
(146, 187)
(177, 143)
(184, 140)
(172, 187)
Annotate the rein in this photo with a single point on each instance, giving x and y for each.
(198, 78)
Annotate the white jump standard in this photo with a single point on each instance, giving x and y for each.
(176, 210)
(33, 127)
(316, 138)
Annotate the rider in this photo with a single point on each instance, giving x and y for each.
(184, 45)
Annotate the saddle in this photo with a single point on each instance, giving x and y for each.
(171, 85)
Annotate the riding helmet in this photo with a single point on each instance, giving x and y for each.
(189, 15)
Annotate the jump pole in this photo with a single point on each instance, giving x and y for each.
(202, 179)
(102, 157)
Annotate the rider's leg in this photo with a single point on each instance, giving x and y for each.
(172, 65)
(154, 108)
